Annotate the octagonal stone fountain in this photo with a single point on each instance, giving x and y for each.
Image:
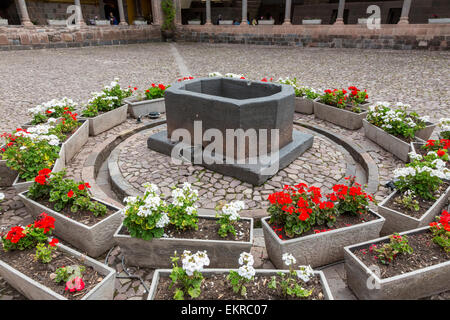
(236, 127)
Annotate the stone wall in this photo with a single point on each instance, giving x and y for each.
(40, 12)
(406, 37)
(21, 38)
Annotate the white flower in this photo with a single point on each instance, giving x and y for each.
(163, 221)
(414, 156)
(194, 262)
(215, 74)
(246, 258)
(2, 196)
(247, 271)
(305, 273)
(288, 259)
(150, 187)
(191, 210)
(129, 199)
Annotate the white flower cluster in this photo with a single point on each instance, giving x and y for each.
(305, 273)
(185, 195)
(232, 209)
(415, 156)
(194, 262)
(215, 74)
(227, 75)
(246, 269)
(112, 85)
(392, 116)
(50, 105)
(444, 124)
(409, 172)
(288, 259)
(40, 132)
(2, 196)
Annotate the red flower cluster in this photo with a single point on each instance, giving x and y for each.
(15, 234)
(82, 186)
(76, 284)
(444, 221)
(354, 92)
(45, 222)
(264, 79)
(42, 176)
(53, 242)
(438, 144)
(185, 78)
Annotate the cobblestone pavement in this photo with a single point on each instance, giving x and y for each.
(31, 77)
(323, 165)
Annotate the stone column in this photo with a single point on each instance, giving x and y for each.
(157, 12)
(178, 12)
(101, 4)
(404, 17)
(287, 12)
(121, 13)
(340, 15)
(138, 10)
(244, 12)
(23, 12)
(79, 14)
(208, 12)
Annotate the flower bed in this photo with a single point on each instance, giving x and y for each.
(422, 191)
(409, 265)
(86, 223)
(53, 271)
(152, 229)
(444, 125)
(301, 222)
(393, 130)
(191, 281)
(440, 148)
(304, 96)
(105, 109)
(341, 107)
(151, 101)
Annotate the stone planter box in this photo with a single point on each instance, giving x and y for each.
(94, 240)
(33, 290)
(322, 248)
(340, 117)
(226, 22)
(412, 285)
(426, 132)
(57, 22)
(3, 22)
(304, 105)
(262, 22)
(439, 20)
(107, 120)
(156, 253)
(59, 165)
(7, 175)
(194, 22)
(398, 222)
(312, 21)
(394, 145)
(74, 144)
(144, 107)
(206, 272)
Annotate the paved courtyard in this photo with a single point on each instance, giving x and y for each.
(419, 78)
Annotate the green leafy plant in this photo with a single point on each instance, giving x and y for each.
(65, 274)
(228, 216)
(398, 245)
(182, 210)
(245, 274)
(444, 124)
(44, 252)
(289, 282)
(408, 201)
(64, 193)
(168, 9)
(155, 91)
(188, 278)
(146, 217)
(397, 122)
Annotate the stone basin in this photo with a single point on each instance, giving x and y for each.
(200, 105)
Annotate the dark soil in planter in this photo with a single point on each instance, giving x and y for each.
(344, 220)
(82, 216)
(424, 205)
(23, 261)
(425, 254)
(217, 287)
(348, 107)
(207, 230)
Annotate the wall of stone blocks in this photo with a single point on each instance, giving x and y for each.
(21, 38)
(402, 37)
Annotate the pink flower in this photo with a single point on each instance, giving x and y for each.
(76, 284)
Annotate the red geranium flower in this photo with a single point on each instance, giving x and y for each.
(53, 242)
(440, 153)
(44, 171)
(70, 194)
(40, 179)
(161, 86)
(15, 234)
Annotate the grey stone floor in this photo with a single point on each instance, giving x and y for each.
(31, 77)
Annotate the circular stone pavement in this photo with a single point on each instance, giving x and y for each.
(323, 165)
